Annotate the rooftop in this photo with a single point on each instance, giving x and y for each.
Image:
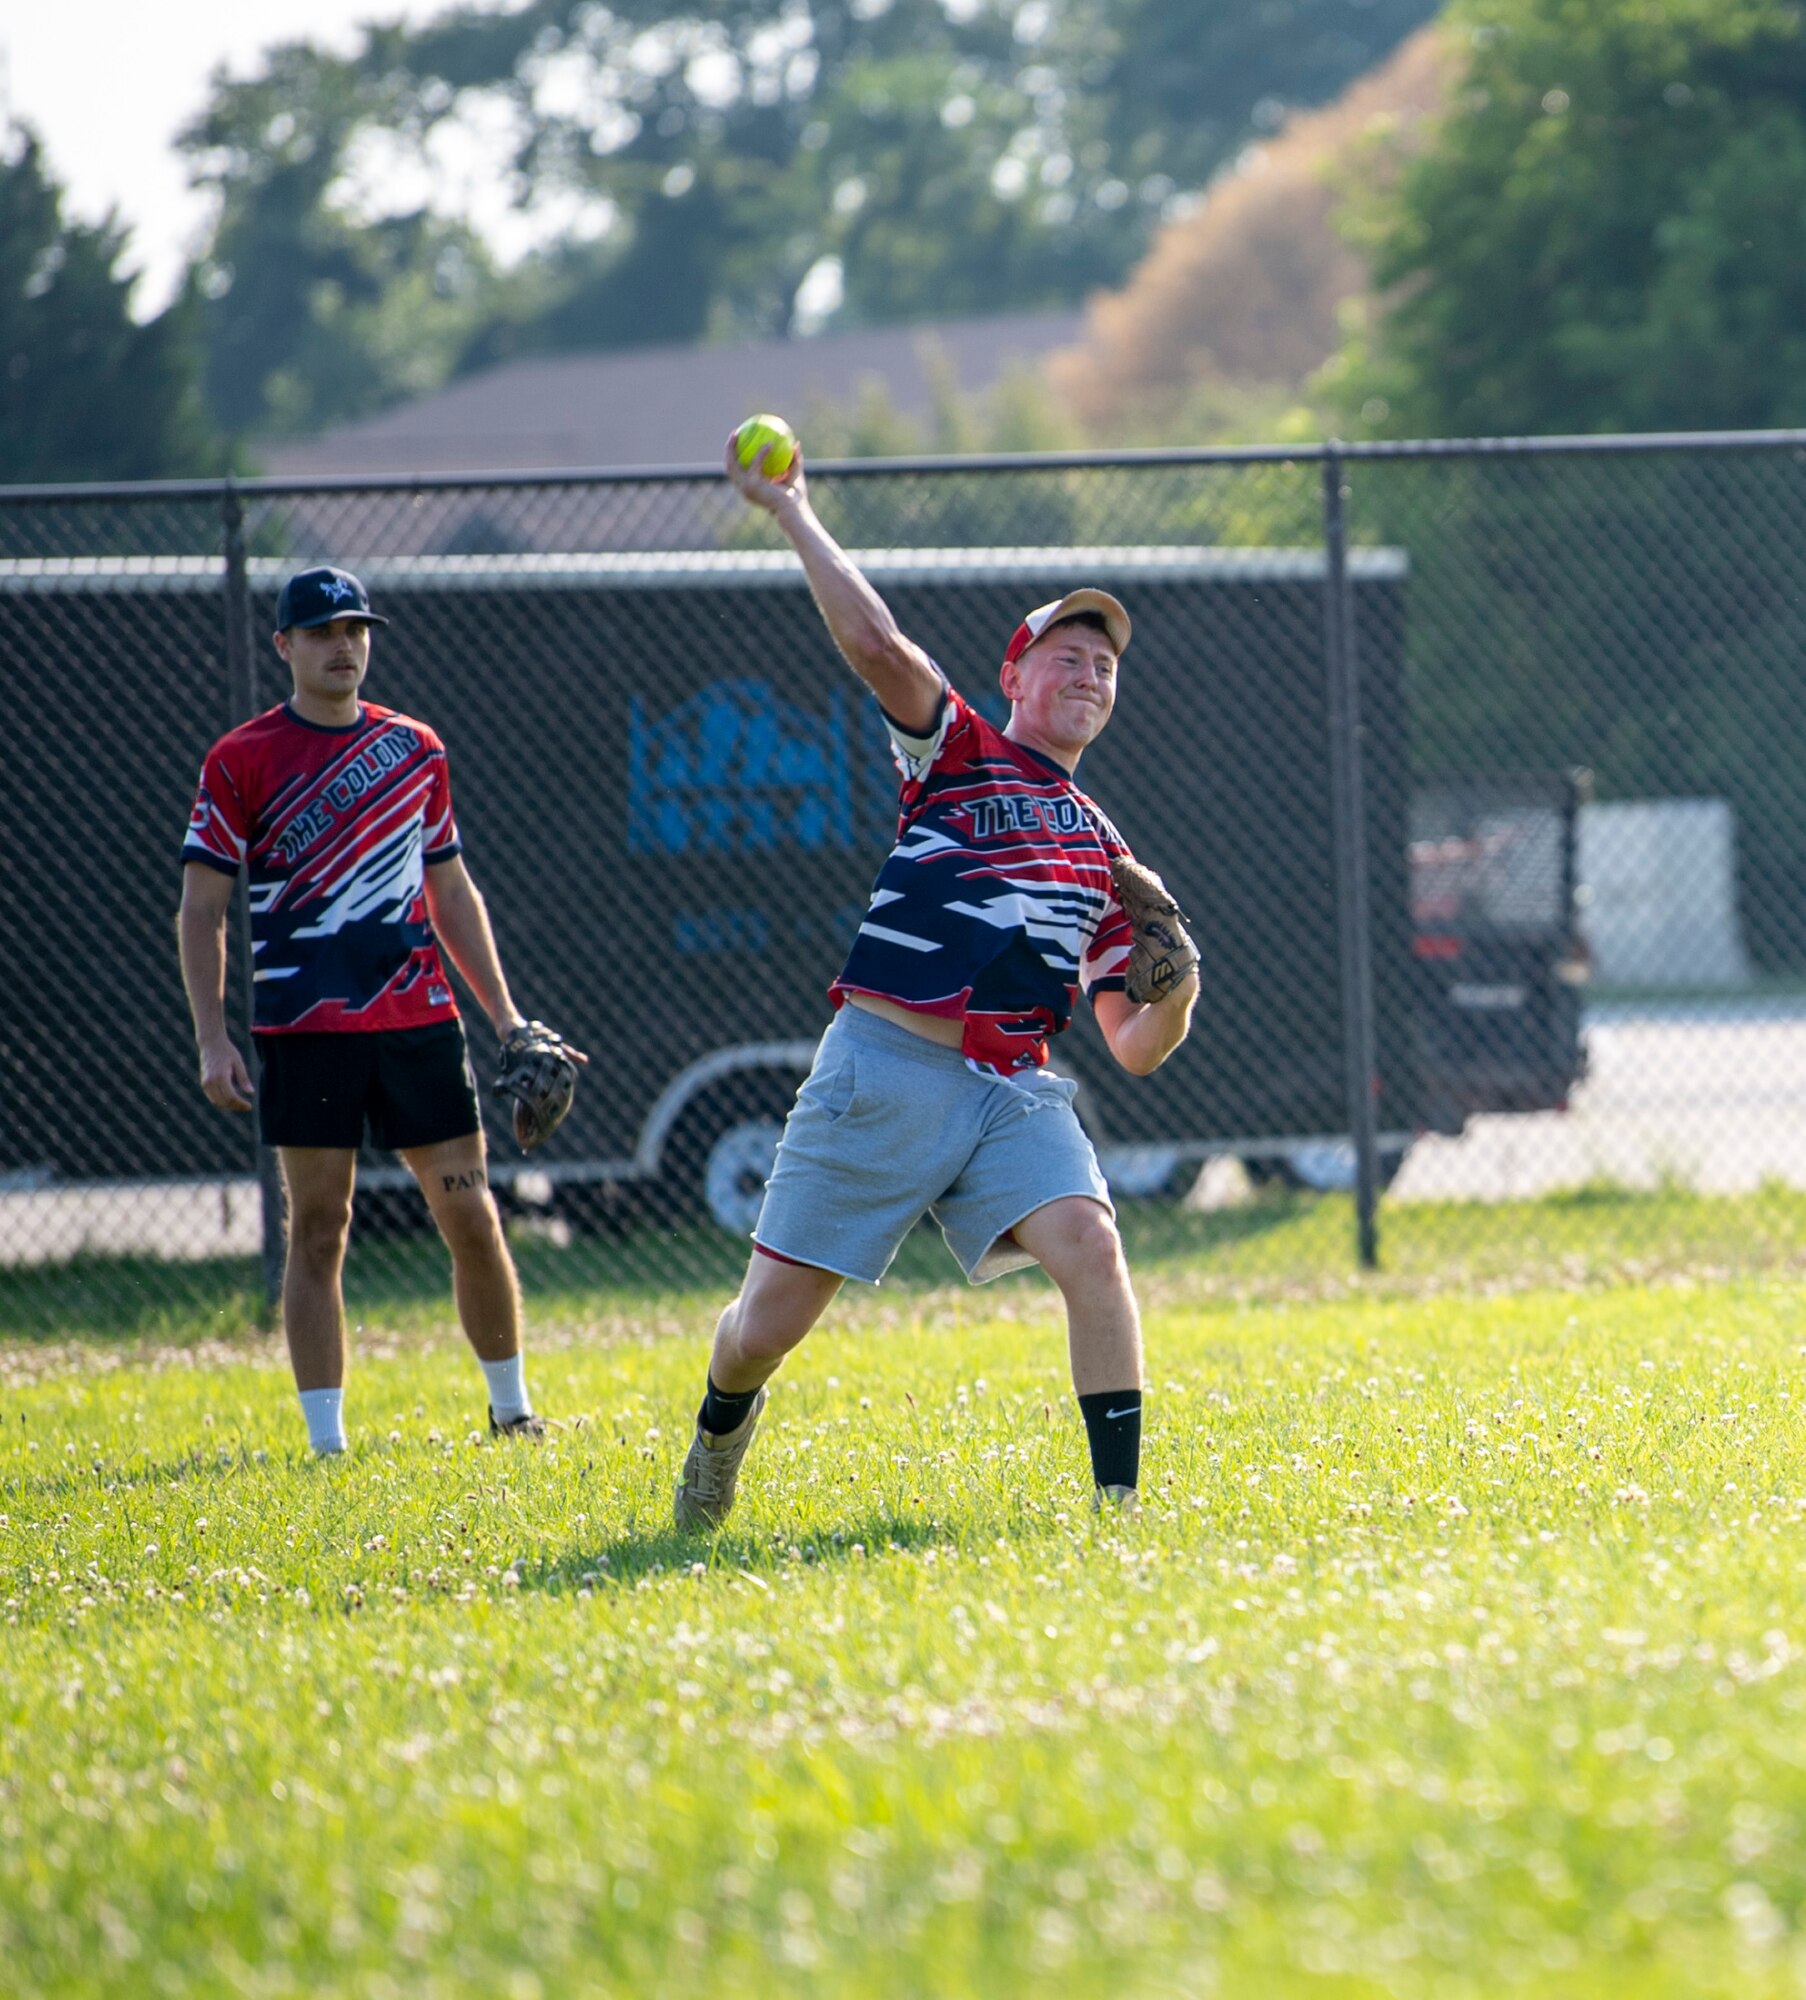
(660, 406)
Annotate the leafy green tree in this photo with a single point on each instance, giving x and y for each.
(943, 156)
(1172, 90)
(845, 161)
(310, 312)
(1606, 234)
(865, 161)
(85, 391)
(742, 149)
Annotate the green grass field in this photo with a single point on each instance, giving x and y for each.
(1461, 1648)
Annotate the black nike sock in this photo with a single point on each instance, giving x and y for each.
(1113, 1424)
(721, 1413)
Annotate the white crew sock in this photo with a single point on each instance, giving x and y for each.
(507, 1381)
(324, 1410)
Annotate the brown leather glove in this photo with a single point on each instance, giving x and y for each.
(1162, 955)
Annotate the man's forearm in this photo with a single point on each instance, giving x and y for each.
(201, 942)
(859, 620)
(461, 921)
(906, 681)
(1153, 1032)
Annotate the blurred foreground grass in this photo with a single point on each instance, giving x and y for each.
(1461, 1649)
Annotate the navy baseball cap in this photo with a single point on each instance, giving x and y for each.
(318, 596)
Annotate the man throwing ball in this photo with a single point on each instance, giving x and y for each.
(1006, 892)
(341, 813)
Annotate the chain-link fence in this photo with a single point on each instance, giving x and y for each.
(1475, 769)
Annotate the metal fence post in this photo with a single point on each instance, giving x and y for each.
(241, 679)
(1348, 806)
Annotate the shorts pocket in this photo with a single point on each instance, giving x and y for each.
(830, 1092)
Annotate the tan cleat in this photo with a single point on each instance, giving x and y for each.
(705, 1494)
(1120, 1500)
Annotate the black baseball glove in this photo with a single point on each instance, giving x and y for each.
(1161, 955)
(539, 1071)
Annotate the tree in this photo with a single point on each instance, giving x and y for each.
(85, 392)
(741, 150)
(744, 166)
(312, 312)
(1175, 90)
(1237, 305)
(1606, 235)
(924, 156)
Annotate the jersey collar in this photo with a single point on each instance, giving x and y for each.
(328, 728)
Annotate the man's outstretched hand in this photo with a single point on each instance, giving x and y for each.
(773, 495)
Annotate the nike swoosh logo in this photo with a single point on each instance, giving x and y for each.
(1134, 1410)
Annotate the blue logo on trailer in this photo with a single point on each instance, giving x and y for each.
(735, 770)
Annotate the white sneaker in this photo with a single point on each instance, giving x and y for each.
(705, 1494)
(1122, 1500)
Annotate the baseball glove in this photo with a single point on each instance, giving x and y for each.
(539, 1071)
(1161, 954)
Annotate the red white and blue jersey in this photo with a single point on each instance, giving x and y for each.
(336, 828)
(996, 904)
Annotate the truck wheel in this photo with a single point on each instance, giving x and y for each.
(720, 1154)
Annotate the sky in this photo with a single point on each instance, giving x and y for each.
(107, 84)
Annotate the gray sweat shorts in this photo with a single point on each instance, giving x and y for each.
(888, 1128)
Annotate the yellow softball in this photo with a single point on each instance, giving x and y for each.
(756, 433)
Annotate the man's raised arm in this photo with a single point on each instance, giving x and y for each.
(905, 680)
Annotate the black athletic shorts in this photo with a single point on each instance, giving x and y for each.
(412, 1085)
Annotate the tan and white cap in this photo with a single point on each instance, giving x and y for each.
(1116, 621)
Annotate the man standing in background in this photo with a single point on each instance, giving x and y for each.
(341, 813)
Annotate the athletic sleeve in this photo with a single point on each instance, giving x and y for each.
(441, 840)
(917, 755)
(219, 826)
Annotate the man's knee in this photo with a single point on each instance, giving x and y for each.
(775, 1309)
(1081, 1244)
(472, 1226)
(757, 1335)
(317, 1232)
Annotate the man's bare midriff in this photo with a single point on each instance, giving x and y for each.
(931, 1027)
